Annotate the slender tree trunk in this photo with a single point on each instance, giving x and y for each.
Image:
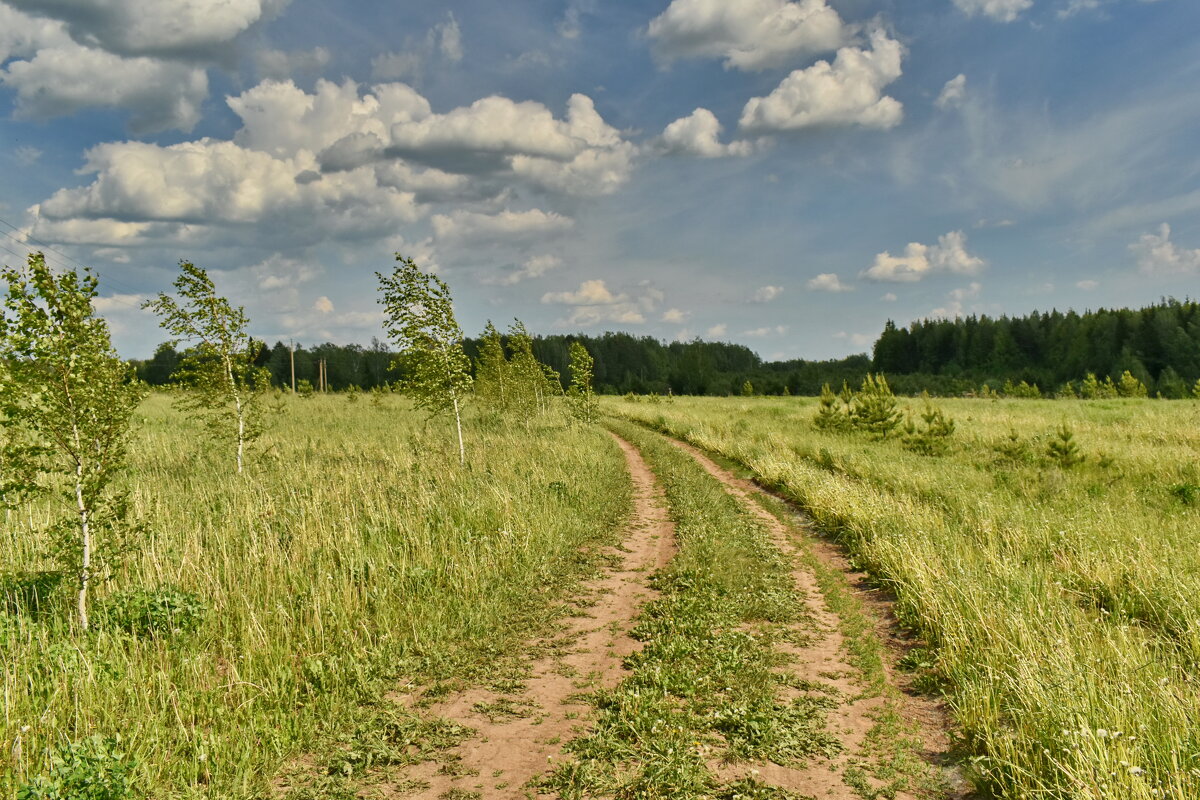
(85, 533)
(462, 450)
(241, 435)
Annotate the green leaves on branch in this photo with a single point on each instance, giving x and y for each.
(580, 398)
(516, 382)
(227, 387)
(66, 400)
(419, 319)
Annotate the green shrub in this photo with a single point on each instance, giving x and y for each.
(95, 769)
(165, 611)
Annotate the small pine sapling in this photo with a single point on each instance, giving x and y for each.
(875, 409)
(1063, 450)
(419, 317)
(747, 389)
(831, 414)
(934, 438)
(67, 400)
(1129, 386)
(227, 386)
(1196, 389)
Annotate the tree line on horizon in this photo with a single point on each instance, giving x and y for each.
(1159, 345)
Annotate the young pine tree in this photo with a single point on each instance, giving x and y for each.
(67, 400)
(226, 387)
(581, 397)
(420, 321)
(875, 408)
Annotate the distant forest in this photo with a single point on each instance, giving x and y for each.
(1159, 345)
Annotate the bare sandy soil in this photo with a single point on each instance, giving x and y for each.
(521, 734)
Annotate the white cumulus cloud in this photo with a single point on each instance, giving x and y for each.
(749, 34)
(948, 255)
(847, 92)
(164, 28)
(593, 303)
(698, 134)
(675, 315)
(828, 282)
(1158, 255)
(465, 227)
(717, 331)
(62, 80)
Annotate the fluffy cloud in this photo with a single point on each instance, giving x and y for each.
(749, 35)
(953, 93)
(674, 315)
(62, 80)
(766, 294)
(198, 29)
(323, 305)
(497, 127)
(590, 293)
(847, 92)
(183, 193)
(467, 227)
(999, 10)
(494, 137)
(717, 331)
(1086, 286)
(699, 135)
(828, 282)
(593, 303)
(1158, 255)
(948, 255)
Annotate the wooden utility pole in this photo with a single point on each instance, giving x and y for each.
(292, 354)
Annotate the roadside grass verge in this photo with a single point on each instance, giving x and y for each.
(353, 552)
(1062, 606)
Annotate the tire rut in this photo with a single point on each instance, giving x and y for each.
(520, 735)
(822, 661)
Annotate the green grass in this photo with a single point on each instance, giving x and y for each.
(354, 551)
(705, 685)
(1062, 604)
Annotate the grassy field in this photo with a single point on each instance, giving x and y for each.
(354, 550)
(1061, 604)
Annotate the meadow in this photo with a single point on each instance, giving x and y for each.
(1060, 602)
(259, 614)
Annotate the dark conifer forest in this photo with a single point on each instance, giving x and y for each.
(1159, 345)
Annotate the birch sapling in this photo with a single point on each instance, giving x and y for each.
(67, 403)
(419, 319)
(227, 387)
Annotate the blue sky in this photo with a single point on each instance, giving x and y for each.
(788, 174)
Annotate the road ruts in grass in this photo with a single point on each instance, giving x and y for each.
(490, 741)
(895, 743)
(719, 681)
